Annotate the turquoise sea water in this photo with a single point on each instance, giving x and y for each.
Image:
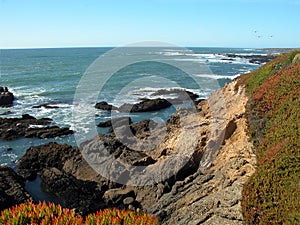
(38, 76)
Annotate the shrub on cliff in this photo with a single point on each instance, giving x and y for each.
(45, 214)
(271, 195)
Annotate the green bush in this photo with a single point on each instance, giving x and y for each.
(51, 214)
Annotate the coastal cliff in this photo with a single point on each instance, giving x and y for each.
(227, 176)
(207, 190)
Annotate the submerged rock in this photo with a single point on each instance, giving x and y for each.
(46, 106)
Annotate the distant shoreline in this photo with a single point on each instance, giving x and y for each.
(281, 50)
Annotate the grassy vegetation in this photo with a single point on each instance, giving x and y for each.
(51, 214)
(272, 194)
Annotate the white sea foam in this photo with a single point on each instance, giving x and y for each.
(36, 126)
(215, 76)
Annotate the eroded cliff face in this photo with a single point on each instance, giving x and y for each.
(212, 194)
(205, 190)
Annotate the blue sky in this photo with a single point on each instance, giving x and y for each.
(208, 23)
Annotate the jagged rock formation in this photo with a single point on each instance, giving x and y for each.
(29, 127)
(212, 196)
(205, 189)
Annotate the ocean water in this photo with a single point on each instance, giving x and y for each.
(39, 76)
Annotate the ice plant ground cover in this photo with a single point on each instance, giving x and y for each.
(271, 196)
(45, 214)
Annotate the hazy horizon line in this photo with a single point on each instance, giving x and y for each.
(108, 46)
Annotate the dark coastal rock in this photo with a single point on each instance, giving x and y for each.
(6, 97)
(37, 158)
(48, 132)
(65, 173)
(84, 196)
(104, 106)
(140, 129)
(117, 122)
(146, 105)
(178, 95)
(255, 59)
(28, 126)
(12, 189)
(46, 106)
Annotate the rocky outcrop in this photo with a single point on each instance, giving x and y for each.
(12, 189)
(29, 127)
(178, 95)
(173, 96)
(64, 172)
(146, 105)
(205, 189)
(44, 156)
(6, 97)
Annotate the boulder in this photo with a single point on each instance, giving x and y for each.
(6, 97)
(117, 196)
(12, 189)
(104, 106)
